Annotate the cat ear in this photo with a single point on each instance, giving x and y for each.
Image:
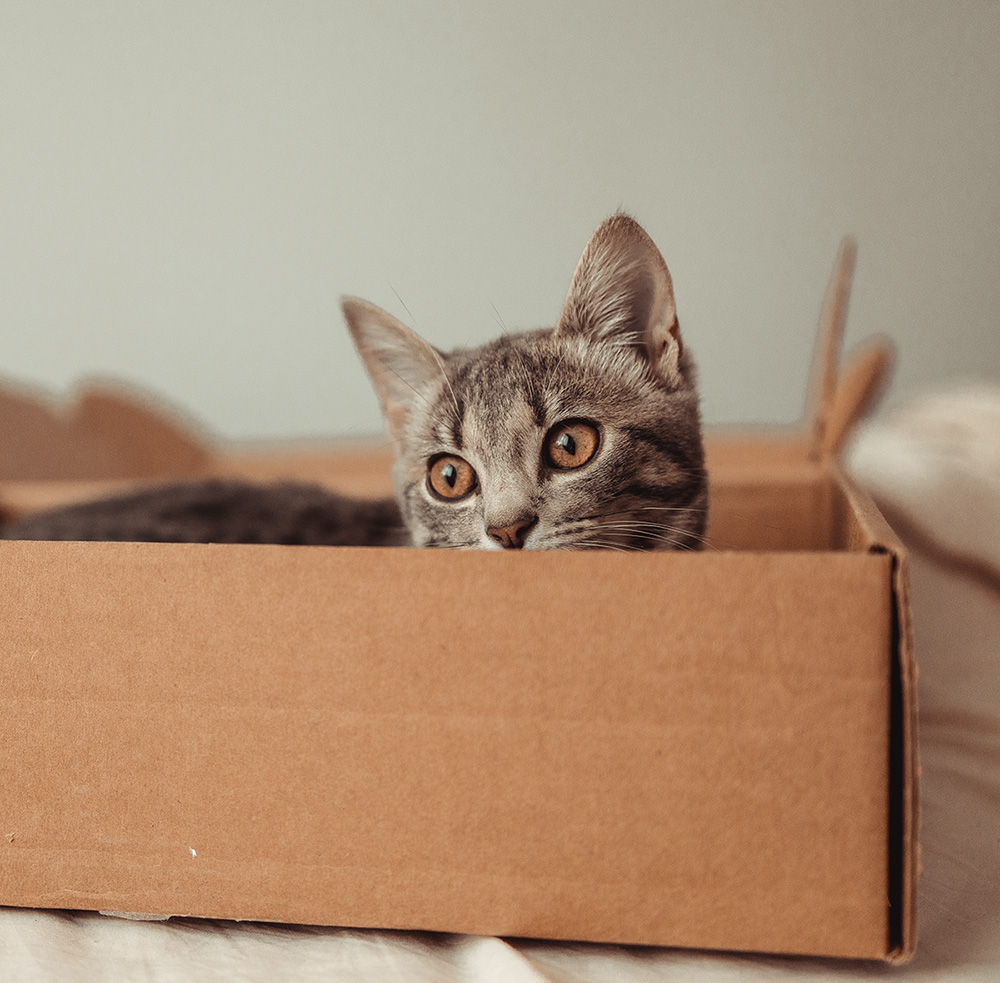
(402, 366)
(622, 293)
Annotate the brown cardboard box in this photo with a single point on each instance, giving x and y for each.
(710, 750)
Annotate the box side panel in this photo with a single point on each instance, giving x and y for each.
(787, 509)
(765, 495)
(650, 749)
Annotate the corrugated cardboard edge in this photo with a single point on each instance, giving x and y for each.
(904, 763)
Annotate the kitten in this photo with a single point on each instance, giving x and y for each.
(582, 436)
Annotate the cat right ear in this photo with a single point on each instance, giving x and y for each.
(622, 293)
(402, 366)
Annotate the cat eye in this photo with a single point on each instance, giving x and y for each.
(451, 478)
(571, 444)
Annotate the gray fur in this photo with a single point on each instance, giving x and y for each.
(216, 511)
(645, 489)
(615, 359)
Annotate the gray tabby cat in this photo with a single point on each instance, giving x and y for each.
(582, 436)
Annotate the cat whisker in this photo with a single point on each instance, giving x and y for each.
(499, 319)
(591, 537)
(678, 532)
(403, 302)
(645, 539)
(390, 442)
(437, 358)
(618, 547)
(681, 533)
(553, 371)
(447, 382)
(662, 533)
(565, 540)
(590, 544)
(642, 508)
(416, 392)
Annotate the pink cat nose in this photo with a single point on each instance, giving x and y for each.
(512, 537)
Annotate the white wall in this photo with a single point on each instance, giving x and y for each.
(186, 188)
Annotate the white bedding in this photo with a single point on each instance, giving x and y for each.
(935, 466)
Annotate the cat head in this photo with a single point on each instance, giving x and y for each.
(582, 436)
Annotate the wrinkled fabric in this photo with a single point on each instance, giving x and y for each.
(940, 484)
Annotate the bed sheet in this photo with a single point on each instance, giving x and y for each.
(936, 468)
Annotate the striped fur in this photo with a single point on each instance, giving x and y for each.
(615, 359)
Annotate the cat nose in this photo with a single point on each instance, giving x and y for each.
(512, 537)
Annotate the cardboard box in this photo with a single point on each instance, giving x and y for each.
(711, 750)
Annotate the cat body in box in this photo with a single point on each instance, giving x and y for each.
(582, 436)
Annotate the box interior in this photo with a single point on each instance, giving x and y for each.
(765, 495)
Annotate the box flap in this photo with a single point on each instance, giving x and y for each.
(838, 399)
(37, 442)
(109, 430)
(152, 439)
(859, 389)
(829, 342)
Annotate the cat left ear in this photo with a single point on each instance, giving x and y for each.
(402, 366)
(622, 292)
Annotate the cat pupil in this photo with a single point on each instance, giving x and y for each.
(450, 474)
(567, 443)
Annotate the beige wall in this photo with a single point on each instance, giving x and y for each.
(186, 188)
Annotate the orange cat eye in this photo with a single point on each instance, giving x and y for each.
(451, 478)
(571, 444)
